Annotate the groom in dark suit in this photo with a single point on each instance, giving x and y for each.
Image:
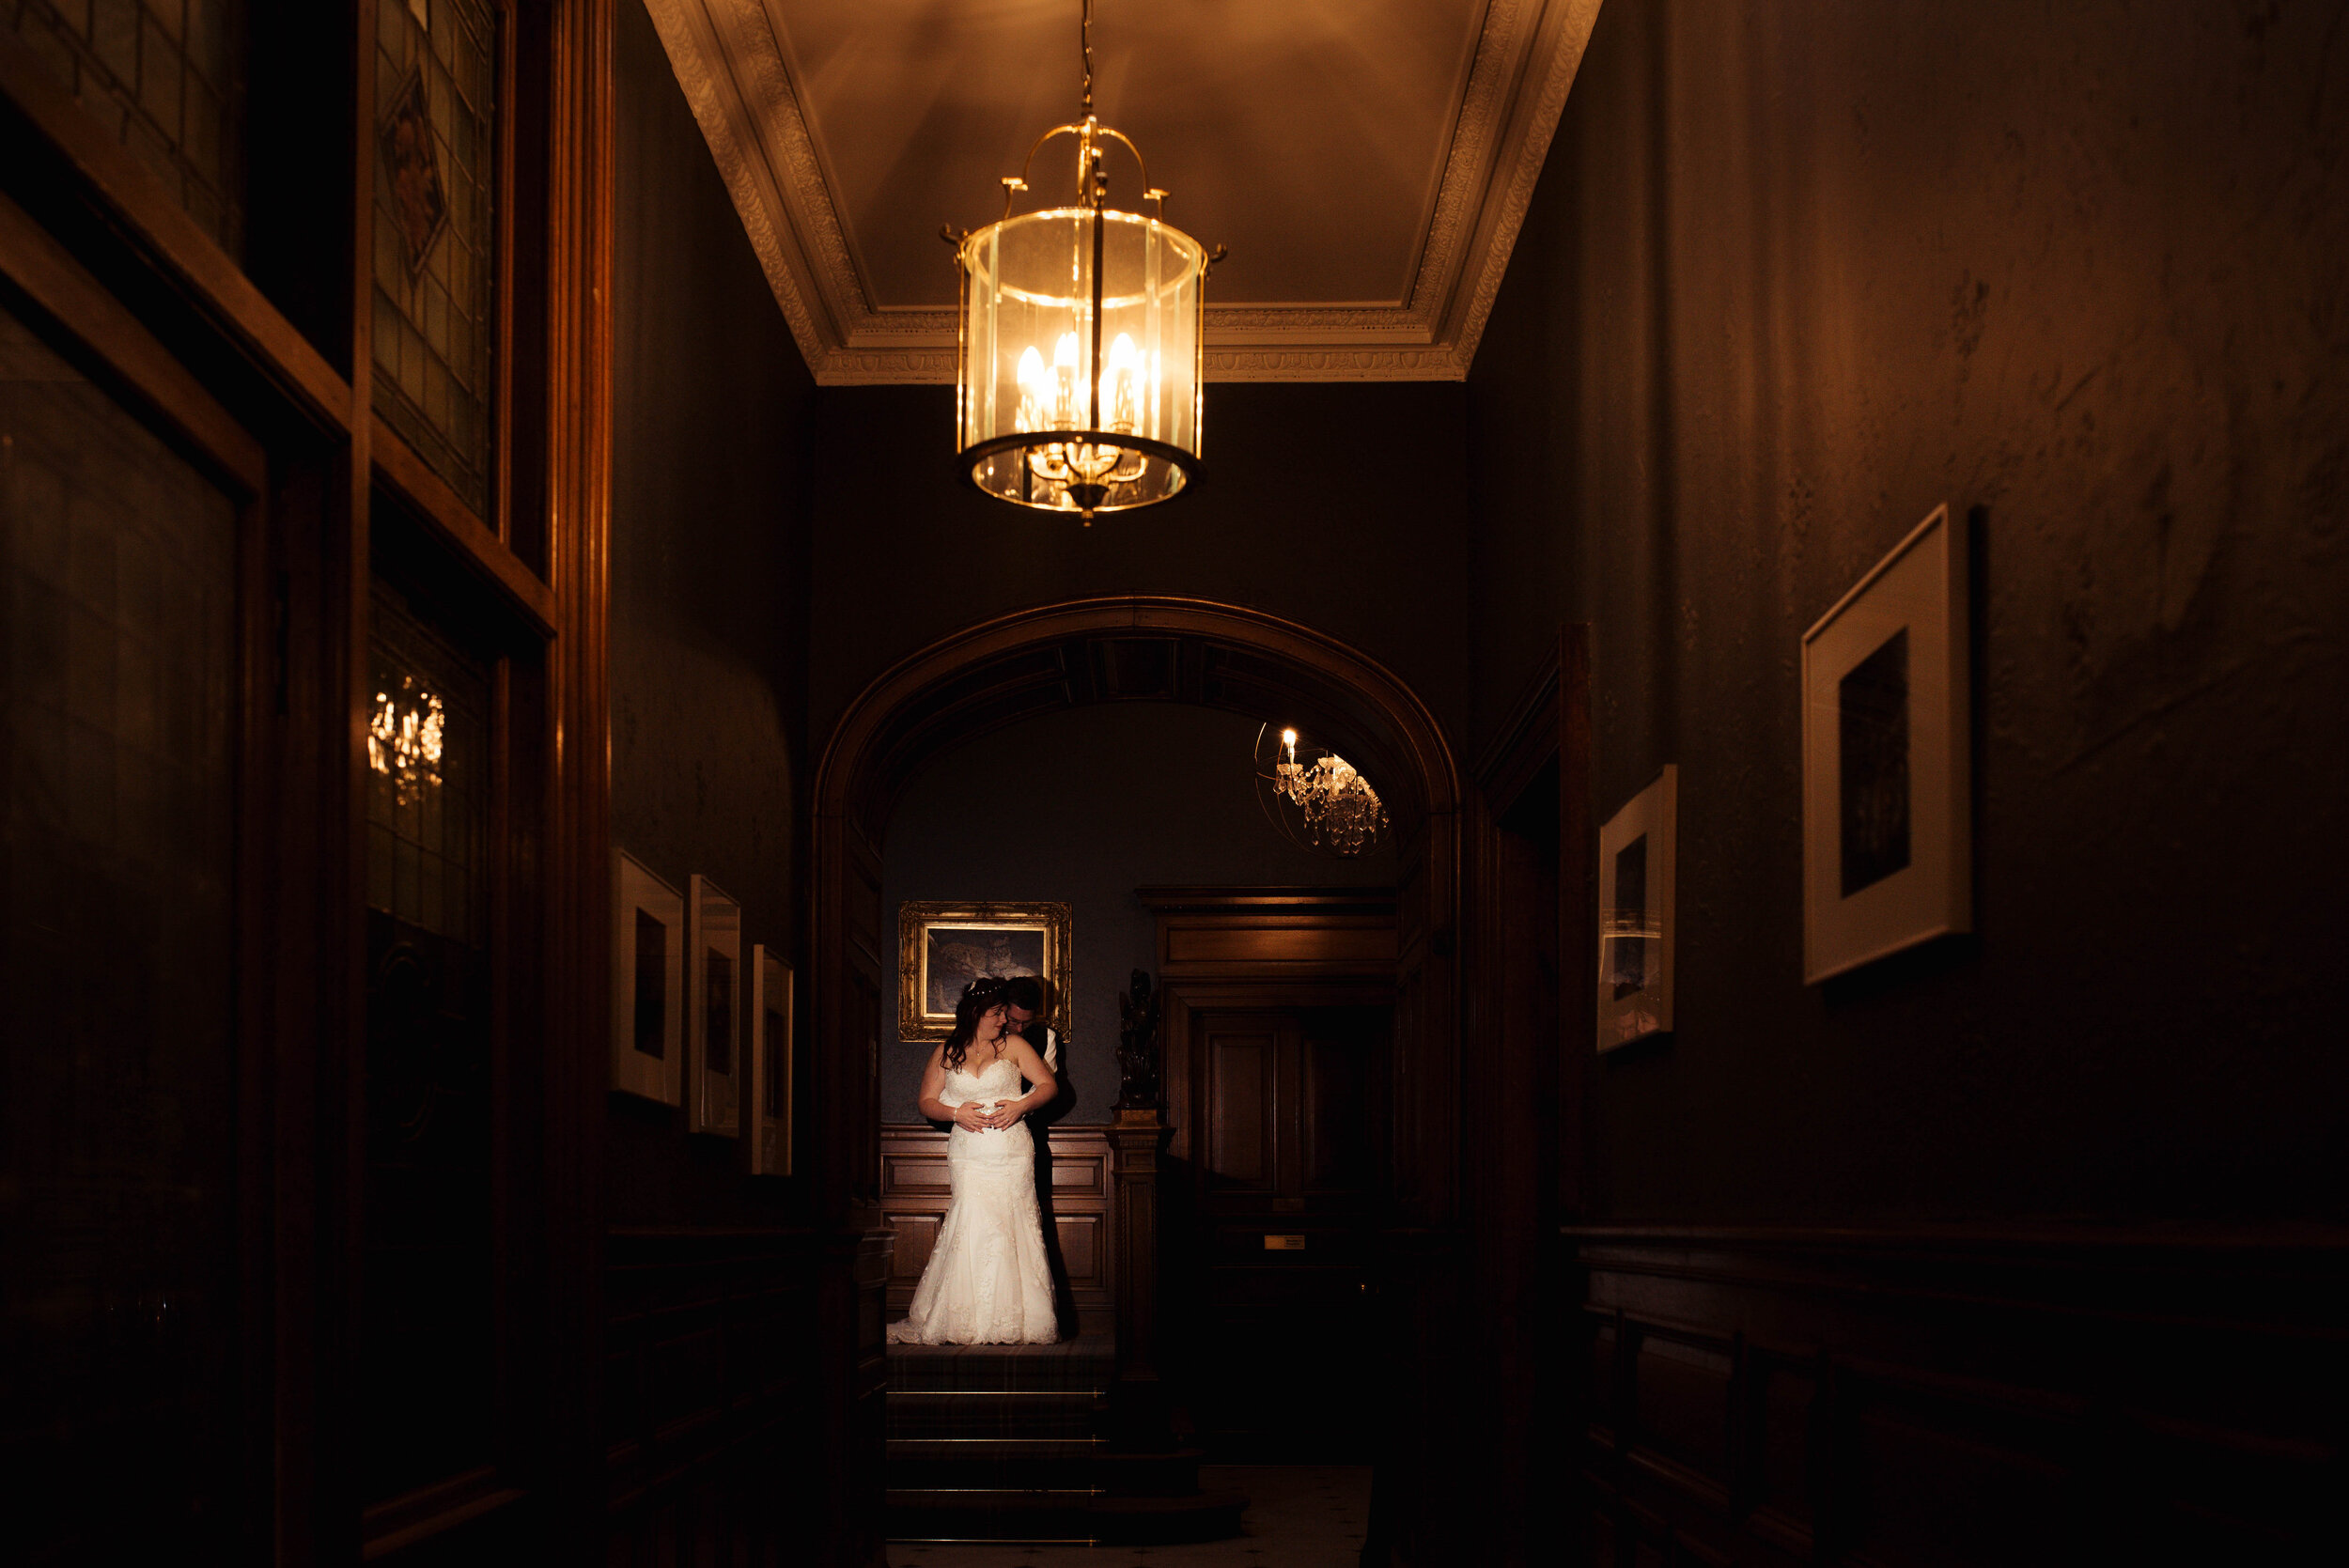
(1023, 999)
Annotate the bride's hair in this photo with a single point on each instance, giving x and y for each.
(977, 997)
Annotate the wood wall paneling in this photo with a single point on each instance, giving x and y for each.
(713, 1406)
(1279, 1041)
(1512, 1391)
(204, 335)
(1239, 1056)
(1961, 1395)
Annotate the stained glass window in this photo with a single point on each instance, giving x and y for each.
(435, 235)
(163, 75)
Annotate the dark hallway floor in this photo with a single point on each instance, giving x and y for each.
(1298, 1516)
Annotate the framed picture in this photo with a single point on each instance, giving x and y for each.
(943, 947)
(713, 1009)
(647, 982)
(1638, 863)
(1887, 807)
(767, 1123)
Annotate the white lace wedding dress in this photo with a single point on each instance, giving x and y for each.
(986, 1281)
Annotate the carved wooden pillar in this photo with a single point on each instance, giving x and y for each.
(1138, 1404)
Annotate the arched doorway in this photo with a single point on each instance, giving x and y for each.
(1127, 649)
(1134, 648)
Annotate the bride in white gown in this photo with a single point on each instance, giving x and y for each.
(986, 1281)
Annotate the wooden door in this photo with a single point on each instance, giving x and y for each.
(1271, 1268)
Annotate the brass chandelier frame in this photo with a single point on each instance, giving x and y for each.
(1080, 451)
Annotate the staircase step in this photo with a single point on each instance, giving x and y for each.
(958, 1467)
(1088, 1361)
(994, 1451)
(1062, 1516)
(994, 1413)
(1002, 1442)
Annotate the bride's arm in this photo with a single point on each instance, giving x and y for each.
(1042, 1086)
(966, 1115)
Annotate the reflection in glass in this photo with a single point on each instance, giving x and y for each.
(1630, 928)
(652, 986)
(718, 1013)
(117, 1056)
(428, 1390)
(1871, 736)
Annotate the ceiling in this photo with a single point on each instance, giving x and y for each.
(1367, 161)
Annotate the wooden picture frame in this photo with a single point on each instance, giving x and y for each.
(943, 946)
(768, 1108)
(1639, 856)
(713, 1009)
(1887, 764)
(647, 982)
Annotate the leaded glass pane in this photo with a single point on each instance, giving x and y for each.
(435, 236)
(425, 1314)
(117, 1059)
(163, 75)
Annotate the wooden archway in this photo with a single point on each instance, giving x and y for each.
(1125, 649)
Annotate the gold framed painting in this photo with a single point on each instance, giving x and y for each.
(942, 947)
(1888, 816)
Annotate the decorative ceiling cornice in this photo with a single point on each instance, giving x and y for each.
(730, 58)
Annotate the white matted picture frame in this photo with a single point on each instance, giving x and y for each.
(647, 982)
(713, 1009)
(766, 1108)
(1887, 765)
(1639, 865)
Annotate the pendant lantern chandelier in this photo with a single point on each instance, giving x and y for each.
(1076, 383)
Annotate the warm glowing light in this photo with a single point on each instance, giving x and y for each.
(1079, 375)
(404, 738)
(1335, 808)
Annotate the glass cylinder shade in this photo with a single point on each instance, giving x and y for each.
(1076, 396)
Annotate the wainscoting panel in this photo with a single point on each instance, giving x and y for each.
(915, 1191)
(715, 1422)
(1965, 1396)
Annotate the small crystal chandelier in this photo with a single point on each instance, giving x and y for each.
(1326, 805)
(1078, 376)
(404, 738)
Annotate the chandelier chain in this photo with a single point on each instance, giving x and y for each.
(1085, 37)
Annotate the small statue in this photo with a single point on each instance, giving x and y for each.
(1138, 1045)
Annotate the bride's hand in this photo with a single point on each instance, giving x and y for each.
(971, 1116)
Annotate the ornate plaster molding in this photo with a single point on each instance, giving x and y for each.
(731, 61)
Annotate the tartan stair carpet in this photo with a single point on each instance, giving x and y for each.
(1004, 1442)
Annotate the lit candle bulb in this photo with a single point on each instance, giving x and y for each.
(1124, 362)
(1032, 388)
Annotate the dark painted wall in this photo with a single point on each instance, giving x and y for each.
(1795, 274)
(712, 412)
(1340, 506)
(1085, 806)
